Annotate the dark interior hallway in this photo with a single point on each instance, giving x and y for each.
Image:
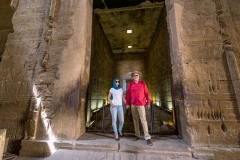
(126, 38)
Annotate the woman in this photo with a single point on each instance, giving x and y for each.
(115, 97)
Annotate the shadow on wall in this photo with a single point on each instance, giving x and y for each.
(6, 27)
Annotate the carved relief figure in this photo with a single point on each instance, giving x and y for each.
(44, 81)
(33, 121)
(52, 9)
(199, 19)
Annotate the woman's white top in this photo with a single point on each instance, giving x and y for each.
(117, 96)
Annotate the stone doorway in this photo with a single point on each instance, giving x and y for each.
(50, 51)
(126, 39)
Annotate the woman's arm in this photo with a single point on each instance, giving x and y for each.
(109, 99)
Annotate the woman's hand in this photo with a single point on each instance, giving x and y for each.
(112, 105)
(109, 100)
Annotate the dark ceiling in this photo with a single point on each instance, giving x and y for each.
(141, 19)
(119, 3)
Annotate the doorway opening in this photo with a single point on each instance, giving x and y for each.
(126, 38)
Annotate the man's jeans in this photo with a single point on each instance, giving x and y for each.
(139, 111)
(117, 111)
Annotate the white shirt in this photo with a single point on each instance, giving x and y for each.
(117, 96)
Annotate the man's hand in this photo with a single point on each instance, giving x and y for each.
(148, 106)
(127, 106)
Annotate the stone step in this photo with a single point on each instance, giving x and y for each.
(96, 145)
(163, 146)
(64, 154)
(104, 145)
(170, 145)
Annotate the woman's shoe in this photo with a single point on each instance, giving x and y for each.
(117, 139)
(135, 138)
(121, 134)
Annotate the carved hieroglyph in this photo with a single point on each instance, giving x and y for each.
(43, 88)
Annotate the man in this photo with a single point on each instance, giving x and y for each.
(137, 97)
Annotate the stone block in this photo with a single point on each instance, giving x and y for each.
(218, 153)
(233, 154)
(100, 145)
(166, 146)
(37, 148)
(203, 153)
(2, 141)
(6, 144)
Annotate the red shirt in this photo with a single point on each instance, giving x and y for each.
(137, 94)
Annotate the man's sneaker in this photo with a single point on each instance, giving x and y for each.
(149, 142)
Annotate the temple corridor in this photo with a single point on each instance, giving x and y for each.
(124, 40)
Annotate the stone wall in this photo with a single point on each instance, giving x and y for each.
(202, 53)
(229, 20)
(231, 10)
(71, 53)
(128, 62)
(17, 69)
(6, 13)
(159, 64)
(101, 68)
(45, 71)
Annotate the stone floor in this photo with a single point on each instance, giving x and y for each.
(98, 146)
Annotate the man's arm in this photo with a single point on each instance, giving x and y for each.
(147, 95)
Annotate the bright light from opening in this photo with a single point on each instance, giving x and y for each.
(51, 146)
(129, 31)
(129, 46)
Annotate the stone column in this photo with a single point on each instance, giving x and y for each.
(60, 78)
(74, 24)
(17, 68)
(174, 14)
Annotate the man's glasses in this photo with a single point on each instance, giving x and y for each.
(135, 75)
